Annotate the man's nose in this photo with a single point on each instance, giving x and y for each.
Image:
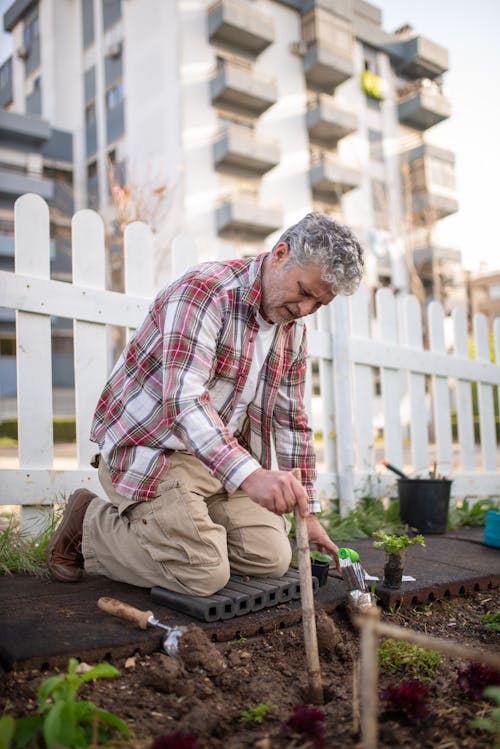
(307, 307)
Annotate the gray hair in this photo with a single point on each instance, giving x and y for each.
(333, 246)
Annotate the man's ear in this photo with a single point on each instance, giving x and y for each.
(281, 253)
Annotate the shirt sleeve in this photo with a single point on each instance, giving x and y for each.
(191, 323)
(292, 434)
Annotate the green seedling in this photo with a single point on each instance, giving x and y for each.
(405, 658)
(491, 621)
(256, 714)
(319, 556)
(61, 719)
(491, 721)
(393, 544)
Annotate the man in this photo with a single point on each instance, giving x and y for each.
(186, 423)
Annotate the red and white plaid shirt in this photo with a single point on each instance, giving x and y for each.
(179, 379)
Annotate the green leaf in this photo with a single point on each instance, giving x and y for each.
(114, 721)
(47, 687)
(7, 728)
(59, 726)
(101, 671)
(26, 730)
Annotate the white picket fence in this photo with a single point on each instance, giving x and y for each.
(350, 347)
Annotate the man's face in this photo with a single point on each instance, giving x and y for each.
(290, 292)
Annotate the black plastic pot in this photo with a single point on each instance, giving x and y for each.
(320, 570)
(424, 503)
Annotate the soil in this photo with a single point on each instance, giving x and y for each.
(204, 691)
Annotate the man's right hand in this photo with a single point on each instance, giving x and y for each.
(277, 491)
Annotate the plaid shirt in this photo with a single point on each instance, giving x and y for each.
(179, 379)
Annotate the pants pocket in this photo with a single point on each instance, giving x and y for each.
(176, 527)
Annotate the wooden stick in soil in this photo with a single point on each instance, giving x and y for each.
(307, 599)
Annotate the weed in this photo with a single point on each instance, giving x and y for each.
(409, 659)
(61, 719)
(471, 513)
(491, 621)
(491, 721)
(256, 714)
(24, 554)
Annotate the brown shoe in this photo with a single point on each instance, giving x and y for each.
(64, 553)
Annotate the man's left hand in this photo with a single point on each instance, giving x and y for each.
(318, 535)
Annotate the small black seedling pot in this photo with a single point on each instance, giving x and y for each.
(320, 570)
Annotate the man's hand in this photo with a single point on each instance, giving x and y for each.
(277, 491)
(318, 535)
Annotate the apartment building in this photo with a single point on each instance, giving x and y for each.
(229, 120)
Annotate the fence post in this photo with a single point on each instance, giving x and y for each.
(412, 331)
(343, 405)
(485, 398)
(390, 379)
(440, 394)
(90, 339)
(34, 360)
(465, 416)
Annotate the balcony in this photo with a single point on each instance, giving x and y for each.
(423, 105)
(327, 123)
(324, 68)
(429, 175)
(13, 184)
(418, 57)
(242, 89)
(235, 24)
(238, 148)
(241, 214)
(330, 178)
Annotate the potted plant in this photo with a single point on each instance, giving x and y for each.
(320, 564)
(395, 547)
(423, 501)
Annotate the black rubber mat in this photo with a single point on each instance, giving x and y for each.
(45, 623)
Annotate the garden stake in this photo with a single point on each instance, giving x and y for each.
(307, 600)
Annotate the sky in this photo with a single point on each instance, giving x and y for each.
(469, 29)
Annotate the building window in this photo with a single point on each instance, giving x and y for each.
(375, 140)
(380, 204)
(31, 33)
(111, 13)
(90, 115)
(31, 42)
(7, 347)
(34, 100)
(114, 96)
(6, 90)
(88, 32)
(92, 185)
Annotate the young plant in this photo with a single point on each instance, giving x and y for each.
(393, 544)
(491, 621)
(408, 698)
(475, 677)
(319, 556)
(61, 719)
(256, 714)
(404, 657)
(306, 723)
(491, 721)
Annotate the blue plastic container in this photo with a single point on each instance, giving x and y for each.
(492, 529)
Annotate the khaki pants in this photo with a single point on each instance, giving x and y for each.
(188, 539)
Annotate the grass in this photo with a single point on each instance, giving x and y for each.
(23, 554)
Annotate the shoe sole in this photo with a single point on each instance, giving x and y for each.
(56, 573)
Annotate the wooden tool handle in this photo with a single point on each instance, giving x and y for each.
(307, 599)
(124, 611)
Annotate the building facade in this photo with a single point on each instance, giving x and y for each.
(229, 120)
